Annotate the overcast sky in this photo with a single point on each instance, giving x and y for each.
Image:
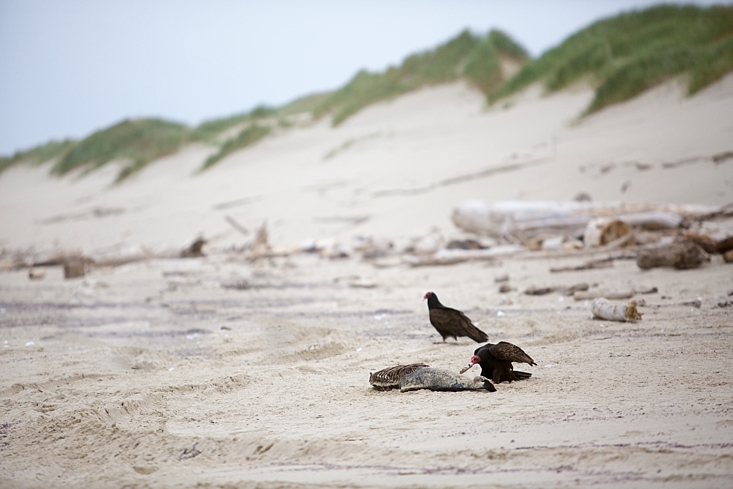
(70, 67)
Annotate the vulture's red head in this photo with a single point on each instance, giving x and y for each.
(475, 359)
(427, 294)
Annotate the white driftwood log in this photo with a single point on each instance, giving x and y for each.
(530, 218)
(602, 308)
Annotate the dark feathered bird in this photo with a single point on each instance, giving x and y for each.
(451, 322)
(496, 361)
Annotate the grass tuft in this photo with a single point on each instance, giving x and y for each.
(208, 130)
(246, 137)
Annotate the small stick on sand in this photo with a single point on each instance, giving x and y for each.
(603, 309)
(467, 368)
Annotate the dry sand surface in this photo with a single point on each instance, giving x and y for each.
(224, 372)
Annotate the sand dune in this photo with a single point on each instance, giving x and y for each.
(396, 169)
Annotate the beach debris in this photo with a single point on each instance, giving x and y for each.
(505, 288)
(442, 380)
(728, 256)
(496, 362)
(705, 242)
(724, 245)
(362, 283)
(429, 244)
(598, 293)
(389, 378)
(604, 230)
(561, 289)
(696, 303)
(501, 278)
(194, 250)
(189, 452)
(73, 268)
(522, 220)
(550, 242)
(451, 322)
(602, 308)
(710, 244)
(682, 254)
(590, 265)
(572, 289)
(465, 244)
(233, 223)
(37, 273)
(260, 243)
(453, 256)
(372, 248)
(534, 290)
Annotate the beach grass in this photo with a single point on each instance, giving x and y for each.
(246, 137)
(476, 58)
(209, 130)
(625, 55)
(37, 155)
(134, 141)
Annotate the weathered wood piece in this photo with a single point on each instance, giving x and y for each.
(528, 219)
(590, 265)
(608, 294)
(602, 308)
(73, 268)
(195, 249)
(682, 255)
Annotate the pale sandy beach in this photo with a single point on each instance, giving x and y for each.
(226, 372)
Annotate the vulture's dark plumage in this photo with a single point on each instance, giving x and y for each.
(451, 322)
(496, 361)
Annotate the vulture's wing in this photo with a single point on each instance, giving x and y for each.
(510, 353)
(450, 322)
(389, 378)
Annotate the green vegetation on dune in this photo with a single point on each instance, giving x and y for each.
(309, 103)
(209, 130)
(136, 141)
(478, 59)
(483, 65)
(246, 137)
(627, 54)
(37, 155)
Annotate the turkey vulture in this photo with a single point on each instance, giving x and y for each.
(451, 322)
(496, 362)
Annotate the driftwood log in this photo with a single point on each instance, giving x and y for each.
(602, 308)
(195, 249)
(74, 268)
(682, 255)
(529, 219)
